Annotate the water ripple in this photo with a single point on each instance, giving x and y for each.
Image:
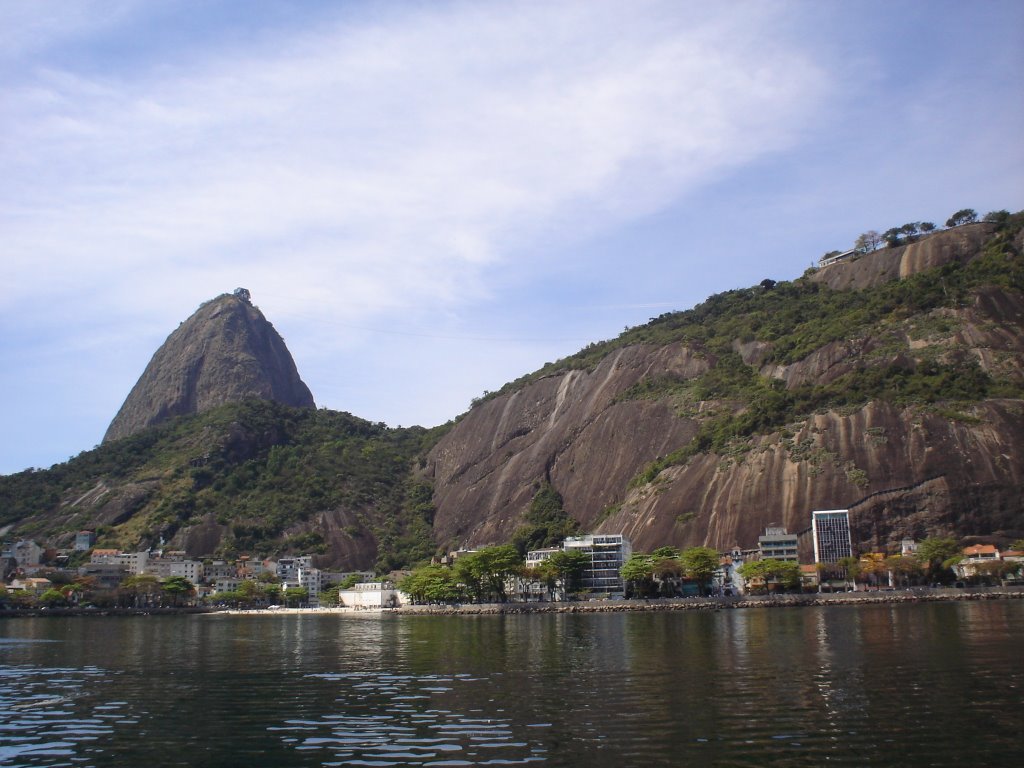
(51, 716)
(392, 720)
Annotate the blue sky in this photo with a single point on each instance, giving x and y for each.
(429, 199)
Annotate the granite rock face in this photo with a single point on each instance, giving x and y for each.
(909, 471)
(225, 352)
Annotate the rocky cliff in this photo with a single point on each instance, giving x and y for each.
(891, 384)
(225, 352)
(893, 415)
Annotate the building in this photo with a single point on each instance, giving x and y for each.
(978, 560)
(106, 556)
(777, 544)
(166, 567)
(830, 529)
(607, 553)
(25, 553)
(370, 595)
(134, 562)
(535, 557)
(295, 572)
(84, 541)
(105, 575)
(219, 569)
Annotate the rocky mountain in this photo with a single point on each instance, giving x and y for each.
(225, 352)
(890, 383)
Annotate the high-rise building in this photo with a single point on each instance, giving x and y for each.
(607, 553)
(831, 531)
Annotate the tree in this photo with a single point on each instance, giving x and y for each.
(892, 237)
(997, 217)
(910, 230)
(963, 216)
(934, 552)
(432, 584)
(486, 571)
(903, 568)
(178, 587)
(868, 241)
(140, 590)
(638, 573)
(700, 564)
(771, 571)
(546, 524)
(297, 595)
(351, 580)
(927, 226)
(569, 567)
(53, 598)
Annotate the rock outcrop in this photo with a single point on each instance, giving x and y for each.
(913, 470)
(227, 351)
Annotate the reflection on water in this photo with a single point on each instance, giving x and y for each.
(389, 720)
(51, 715)
(931, 684)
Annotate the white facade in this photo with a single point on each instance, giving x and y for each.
(831, 531)
(537, 556)
(371, 595)
(608, 553)
(134, 562)
(25, 552)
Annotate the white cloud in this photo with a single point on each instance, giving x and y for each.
(384, 164)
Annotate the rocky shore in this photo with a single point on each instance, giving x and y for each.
(720, 603)
(917, 595)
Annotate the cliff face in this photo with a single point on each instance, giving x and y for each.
(227, 351)
(908, 470)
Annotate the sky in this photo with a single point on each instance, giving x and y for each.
(430, 199)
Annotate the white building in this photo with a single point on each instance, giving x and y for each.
(607, 553)
(831, 531)
(535, 557)
(25, 552)
(164, 568)
(371, 595)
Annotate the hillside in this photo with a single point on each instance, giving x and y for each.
(903, 385)
(253, 477)
(891, 383)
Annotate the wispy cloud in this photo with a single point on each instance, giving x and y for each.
(383, 163)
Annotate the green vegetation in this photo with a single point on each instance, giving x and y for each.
(259, 468)
(782, 573)
(265, 472)
(663, 571)
(546, 523)
(798, 317)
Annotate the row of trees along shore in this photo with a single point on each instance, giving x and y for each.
(485, 575)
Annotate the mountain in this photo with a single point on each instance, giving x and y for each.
(890, 383)
(226, 352)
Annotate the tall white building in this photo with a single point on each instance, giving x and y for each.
(831, 531)
(608, 553)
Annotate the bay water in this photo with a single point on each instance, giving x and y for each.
(928, 684)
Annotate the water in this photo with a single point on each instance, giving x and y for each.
(902, 685)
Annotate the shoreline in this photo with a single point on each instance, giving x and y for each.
(918, 595)
(926, 595)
